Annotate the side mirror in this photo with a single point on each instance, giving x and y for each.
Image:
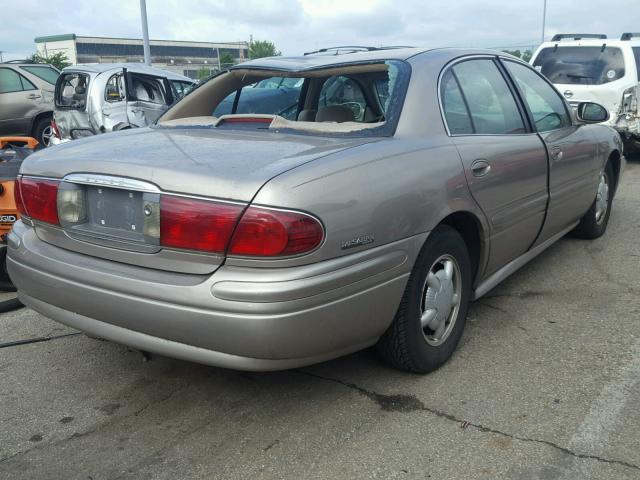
(589, 112)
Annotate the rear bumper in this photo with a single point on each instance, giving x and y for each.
(241, 318)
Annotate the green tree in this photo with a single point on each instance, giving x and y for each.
(262, 48)
(226, 60)
(58, 60)
(203, 73)
(526, 56)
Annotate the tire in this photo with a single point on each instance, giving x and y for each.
(42, 131)
(405, 344)
(594, 223)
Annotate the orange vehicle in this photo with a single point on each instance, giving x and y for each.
(12, 151)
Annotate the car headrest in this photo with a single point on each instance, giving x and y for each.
(81, 90)
(335, 113)
(307, 115)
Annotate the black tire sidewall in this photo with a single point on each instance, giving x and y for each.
(38, 129)
(443, 241)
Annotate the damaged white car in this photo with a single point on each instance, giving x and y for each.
(98, 98)
(593, 68)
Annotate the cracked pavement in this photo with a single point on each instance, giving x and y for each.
(544, 385)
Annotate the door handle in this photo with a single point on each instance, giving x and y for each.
(556, 153)
(480, 168)
(106, 114)
(33, 96)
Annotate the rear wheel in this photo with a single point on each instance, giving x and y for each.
(595, 221)
(42, 131)
(433, 310)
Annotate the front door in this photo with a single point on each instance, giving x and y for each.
(113, 115)
(504, 162)
(574, 169)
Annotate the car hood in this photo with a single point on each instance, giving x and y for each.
(198, 161)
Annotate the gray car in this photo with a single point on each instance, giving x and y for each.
(98, 98)
(410, 183)
(26, 99)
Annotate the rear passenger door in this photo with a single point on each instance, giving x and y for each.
(148, 97)
(574, 167)
(505, 163)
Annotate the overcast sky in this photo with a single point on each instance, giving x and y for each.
(296, 26)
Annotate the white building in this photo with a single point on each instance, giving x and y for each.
(185, 58)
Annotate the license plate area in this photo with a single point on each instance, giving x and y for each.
(114, 217)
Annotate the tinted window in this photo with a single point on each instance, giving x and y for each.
(636, 53)
(48, 74)
(343, 91)
(114, 91)
(491, 104)
(455, 110)
(10, 81)
(271, 96)
(182, 88)
(548, 110)
(581, 65)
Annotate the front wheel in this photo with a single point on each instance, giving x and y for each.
(433, 310)
(43, 132)
(594, 223)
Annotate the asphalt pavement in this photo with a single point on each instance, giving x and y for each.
(544, 385)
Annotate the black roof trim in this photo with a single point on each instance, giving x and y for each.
(629, 35)
(577, 36)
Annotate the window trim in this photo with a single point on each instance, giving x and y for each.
(529, 113)
(514, 93)
(122, 99)
(22, 83)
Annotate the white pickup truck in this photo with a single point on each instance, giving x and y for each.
(591, 67)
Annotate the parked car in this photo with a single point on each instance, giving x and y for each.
(98, 98)
(254, 242)
(26, 99)
(593, 68)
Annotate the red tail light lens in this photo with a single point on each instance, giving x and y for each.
(197, 224)
(265, 232)
(38, 198)
(54, 129)
(17, 195)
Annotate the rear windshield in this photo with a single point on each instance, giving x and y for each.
(352, 98)
(71, 91)
(581, 65)
(48, 74)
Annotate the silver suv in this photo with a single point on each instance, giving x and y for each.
(26, 99)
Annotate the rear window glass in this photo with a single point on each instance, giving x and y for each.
(271, 96)
(363, 95)
(48, 74)
(636, 53)
(581, 65)
(71, 90)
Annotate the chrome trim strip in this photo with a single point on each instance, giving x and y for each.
(111, 181)
(495, 278)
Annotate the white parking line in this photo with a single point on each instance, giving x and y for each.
(604, 416)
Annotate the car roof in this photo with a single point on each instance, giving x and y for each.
(131, 67)
(321, 61)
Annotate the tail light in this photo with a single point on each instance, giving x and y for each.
(269, 233)
(184, 222)
(54, 129)
(38, 199)
(197, 224)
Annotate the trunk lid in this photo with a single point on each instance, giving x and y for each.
(196, 161)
